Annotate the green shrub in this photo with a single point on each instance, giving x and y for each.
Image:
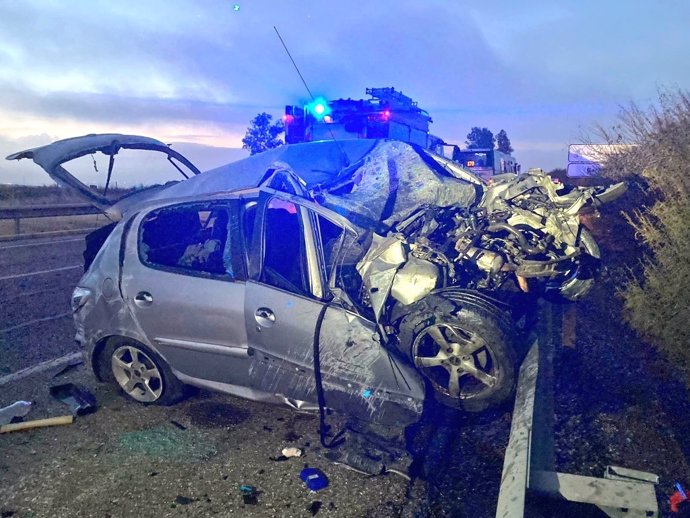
(657, 300)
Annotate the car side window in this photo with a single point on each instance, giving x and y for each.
(192, 239)
(284, 262)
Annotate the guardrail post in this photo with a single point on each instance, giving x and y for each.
(529, 459)
(44, 211)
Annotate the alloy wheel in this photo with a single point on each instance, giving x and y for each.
(458, 363)
(137, 373)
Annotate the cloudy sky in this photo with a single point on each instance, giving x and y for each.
(197, 71)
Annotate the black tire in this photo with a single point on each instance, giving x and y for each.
(479, 354)
(583, 275)
(152, 381)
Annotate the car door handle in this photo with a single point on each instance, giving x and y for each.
(264, 317)
(143, 299)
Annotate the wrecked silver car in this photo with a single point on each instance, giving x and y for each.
(362, 276)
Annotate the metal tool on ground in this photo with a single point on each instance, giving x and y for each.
(80, 400)
(38, 423)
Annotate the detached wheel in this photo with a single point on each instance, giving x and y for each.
(140, 373)
(463, 352)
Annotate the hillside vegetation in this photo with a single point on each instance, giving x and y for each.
(657, 291)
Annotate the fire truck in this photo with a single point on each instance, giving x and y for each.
(387, 114)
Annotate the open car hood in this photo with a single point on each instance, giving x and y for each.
(52, 156)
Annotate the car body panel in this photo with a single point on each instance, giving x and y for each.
(52, 156)
(353, 362)
(192, 321)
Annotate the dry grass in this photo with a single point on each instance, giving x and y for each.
(26, 195)
(657, 295)
(20, 195)
(35, 225)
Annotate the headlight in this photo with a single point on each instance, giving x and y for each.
(79, 297)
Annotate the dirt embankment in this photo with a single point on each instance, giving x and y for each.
(619, 400)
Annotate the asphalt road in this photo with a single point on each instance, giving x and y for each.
(36, 281)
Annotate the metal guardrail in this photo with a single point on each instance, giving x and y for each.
(529, 462)
(46, 211)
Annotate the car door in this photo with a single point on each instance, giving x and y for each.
(184, 282)
(288, 308)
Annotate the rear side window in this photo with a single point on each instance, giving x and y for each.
(192, 239)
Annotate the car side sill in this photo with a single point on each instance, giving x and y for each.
(227, 350)
(247, 392)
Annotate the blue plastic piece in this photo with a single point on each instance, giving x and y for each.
(367, 393)
(680, 490)
(314, 478)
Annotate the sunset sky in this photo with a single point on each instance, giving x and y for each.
(197, 71)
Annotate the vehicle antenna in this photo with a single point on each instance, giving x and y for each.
(347, 160)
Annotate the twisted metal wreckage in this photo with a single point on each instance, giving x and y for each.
(415, 289)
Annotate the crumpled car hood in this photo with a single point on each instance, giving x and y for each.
(391, 182)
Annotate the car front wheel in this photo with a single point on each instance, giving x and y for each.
(140, 373)
(463, 352)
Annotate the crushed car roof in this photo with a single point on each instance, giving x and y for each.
(377, 181)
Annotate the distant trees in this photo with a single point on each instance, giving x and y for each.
(503, 142)
(483, 138)
(479, 138)
(262, 134)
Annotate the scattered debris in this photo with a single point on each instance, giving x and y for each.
(178, 425)
(249, 494)
(77, 397)
(314, 507)
(291, 451)
(17, 409)
(169, 442)
(73, 364)
(183, 500)
(287, 453)
(678, 500)
(314, 478)
(38, 423)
